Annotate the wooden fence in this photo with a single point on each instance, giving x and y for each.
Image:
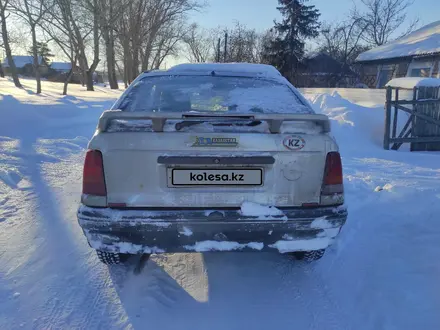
(422, 127)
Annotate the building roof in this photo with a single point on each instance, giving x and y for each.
(21, 61)
(424, 41)
(61, 66)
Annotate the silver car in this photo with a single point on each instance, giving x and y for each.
(212, 157)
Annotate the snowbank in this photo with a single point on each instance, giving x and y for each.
(45, 128)
(370, 98)
(354, 126)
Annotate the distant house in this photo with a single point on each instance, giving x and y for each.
(322, 70)
(59, 71)
(61, 67)
(24, 65)
(415, 55)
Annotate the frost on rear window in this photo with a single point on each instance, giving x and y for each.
(212, 94)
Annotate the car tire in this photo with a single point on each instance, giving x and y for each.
(109, 258)
(309, 255)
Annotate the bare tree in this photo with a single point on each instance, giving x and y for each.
(2, 73)
(130, 26)
(166, 43)
(242, 44)
(109, 11)
(197, 44)
(58, 27)
(93, 9)
(32, 12)
(162, 13)
(148, 31)
(383, 18)
(342, 40)
(6, 45)
(76, 27)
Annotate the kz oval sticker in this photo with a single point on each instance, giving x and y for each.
(294, 142)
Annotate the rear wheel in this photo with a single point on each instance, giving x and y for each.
(109, 258)
(308, 255)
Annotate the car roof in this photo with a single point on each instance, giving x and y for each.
(230, 69)
(257, 69)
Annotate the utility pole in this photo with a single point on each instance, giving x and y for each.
(226, 47)
(218, 51)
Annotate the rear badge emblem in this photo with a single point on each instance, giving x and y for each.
(215, 142)
(294, 142)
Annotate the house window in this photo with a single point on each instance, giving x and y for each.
(420, 72)
(420, 69)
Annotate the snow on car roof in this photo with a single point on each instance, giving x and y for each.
(257, 69)
(411, 82)
(425, 40)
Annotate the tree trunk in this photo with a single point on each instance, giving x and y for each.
(126, 66)
(7, 47)
(111, 61)
(36, 62)
(92, 68)
(146, 58)
(121, 73)
(66, 82)
(135, 66)
(89, 81)
(2, 74)
(69, 77)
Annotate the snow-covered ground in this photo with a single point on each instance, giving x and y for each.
(383, 272)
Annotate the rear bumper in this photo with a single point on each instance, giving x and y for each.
(158, 231)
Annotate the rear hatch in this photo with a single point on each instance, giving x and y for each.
(196, 167)
(216, 140)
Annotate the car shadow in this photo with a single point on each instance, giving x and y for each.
(241, 291)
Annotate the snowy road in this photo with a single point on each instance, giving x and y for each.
(383, 273)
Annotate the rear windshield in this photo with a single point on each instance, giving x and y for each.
(212, 93)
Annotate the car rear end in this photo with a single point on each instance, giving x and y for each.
(214, 161)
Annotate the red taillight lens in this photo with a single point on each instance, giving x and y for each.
(332, 192)
(93, 175)
(333, 169)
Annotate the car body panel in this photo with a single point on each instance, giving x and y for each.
(135, 177)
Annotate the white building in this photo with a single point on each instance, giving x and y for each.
(415, 55)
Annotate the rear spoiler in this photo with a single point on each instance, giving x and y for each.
(159, 118)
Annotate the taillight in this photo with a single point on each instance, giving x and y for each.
(332, 192)
(93, 175)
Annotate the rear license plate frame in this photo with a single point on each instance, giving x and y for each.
(215, 171)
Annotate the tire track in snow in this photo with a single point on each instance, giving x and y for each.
(313, 299)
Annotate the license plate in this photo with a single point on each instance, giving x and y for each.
(217, 177)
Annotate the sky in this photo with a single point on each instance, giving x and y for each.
(259, 14)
